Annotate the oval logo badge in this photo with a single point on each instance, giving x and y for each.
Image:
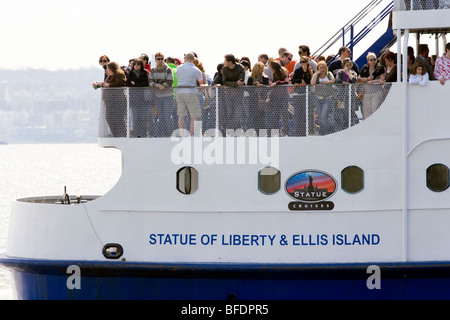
(311, 186)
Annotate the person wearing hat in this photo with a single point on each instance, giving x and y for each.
(178, 62)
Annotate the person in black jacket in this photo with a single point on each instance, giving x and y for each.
(301, 78)
(337, 65)
(138, 77)
(140, 112)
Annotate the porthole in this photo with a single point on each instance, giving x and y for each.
(187, 180)
(352, 179)
(437, 177)
(269, 180)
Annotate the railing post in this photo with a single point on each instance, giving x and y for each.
(351, 41)
(350, 105)
(343, 36)
(217, 111)
(128, 112)
(307, 111)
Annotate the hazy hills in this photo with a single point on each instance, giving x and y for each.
(41, 106)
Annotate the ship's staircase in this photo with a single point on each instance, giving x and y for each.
(347, 35)
(418, 16)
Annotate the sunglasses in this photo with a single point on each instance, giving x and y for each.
(104, 61)
(372, 59)
(303, 61)
(159, 59)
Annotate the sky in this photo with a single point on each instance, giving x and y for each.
(62, 34)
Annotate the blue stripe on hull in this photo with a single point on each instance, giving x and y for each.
(48, 280)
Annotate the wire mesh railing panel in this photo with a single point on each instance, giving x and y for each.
(113, 114)
(287, 111)
(403, 5)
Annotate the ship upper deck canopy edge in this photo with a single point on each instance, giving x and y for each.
(422, 16)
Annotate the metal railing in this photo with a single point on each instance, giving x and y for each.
(244, 111)
(405, 5)
(349, 28)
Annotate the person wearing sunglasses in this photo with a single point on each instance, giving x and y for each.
(337, 65)
(372, 75)
(161, 79)
(287, 61)
(304, 51)
(140, 113)
(103, 61)
(146, 59)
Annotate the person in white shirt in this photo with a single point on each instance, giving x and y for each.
(419, 75)
(189, 76)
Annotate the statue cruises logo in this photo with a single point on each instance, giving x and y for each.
(312, 189)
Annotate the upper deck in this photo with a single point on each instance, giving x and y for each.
(428, 16)
(251, 111)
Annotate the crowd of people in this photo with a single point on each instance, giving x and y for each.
(259, 96)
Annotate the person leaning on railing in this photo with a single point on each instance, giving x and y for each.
(188, 105)
(103, 61)
(258, 96)
(372, 75)
(161, 80)
(418, 74)
(345, 76)
(115, 100)
(140, 112)
(323, 100)
(390, 60)
(233, 76)
(300, 79)
(279, 100)
(442, 66)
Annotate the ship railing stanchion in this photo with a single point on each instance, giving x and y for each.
(128, 112)
(307, 112)
(405, 140)
(349, 105)
(217, 112)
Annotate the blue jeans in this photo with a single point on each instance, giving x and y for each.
(165, 126)
(324, 109)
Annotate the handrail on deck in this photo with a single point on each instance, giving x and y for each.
(249, 110)
(407, 5)
(349, 27)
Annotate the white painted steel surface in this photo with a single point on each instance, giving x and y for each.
(145, 201)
